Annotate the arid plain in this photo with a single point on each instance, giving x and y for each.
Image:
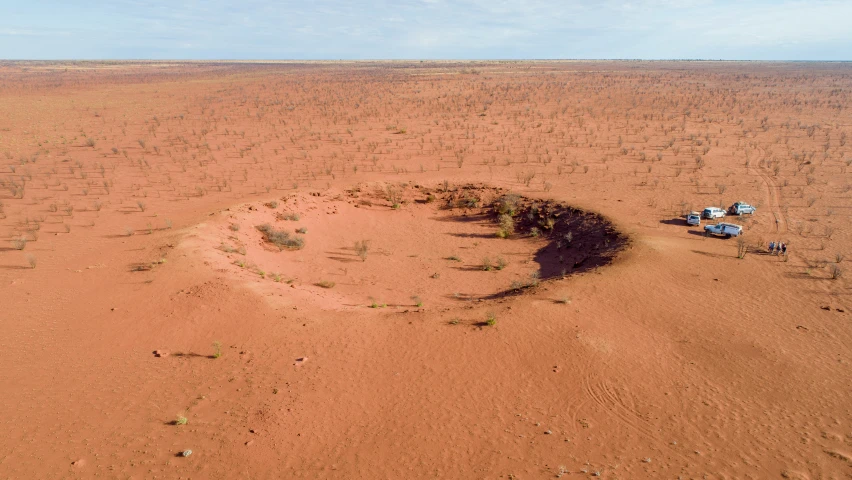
(380, 326)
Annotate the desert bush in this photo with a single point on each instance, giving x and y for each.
(362, 248)
(454, 258)
(486, 264)
(418, 302)
(835, 271)
(293, 217)
(273, 204)
(31, 259)
(234, 227)
(507, 225)
(280, 238)
(508, 204)
(325, 284)
(491, 319)
(394, 196)
(838, 257)
(141, 205)
(742, 247)
(19, 243)
(501, 263)
(180, 419)
(217, 349)
(302, 230)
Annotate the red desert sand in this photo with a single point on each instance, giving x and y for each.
(424, 270)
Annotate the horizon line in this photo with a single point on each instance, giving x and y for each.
(420, 60)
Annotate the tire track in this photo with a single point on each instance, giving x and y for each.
(772, 192)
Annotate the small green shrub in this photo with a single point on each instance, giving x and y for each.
(508, 204)
(491, 320)
(501, 263)
(217, 349)
(507, 225)
(180, 419)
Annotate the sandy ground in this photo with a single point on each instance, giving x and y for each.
(121, 183)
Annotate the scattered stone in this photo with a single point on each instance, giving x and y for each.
(301, 361)
(161, 353)
(548, 432)
(79, 463)
(249, 443)
(186, 453)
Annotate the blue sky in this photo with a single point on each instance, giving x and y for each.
(426, 29)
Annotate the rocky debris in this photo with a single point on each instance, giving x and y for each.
(161, 353)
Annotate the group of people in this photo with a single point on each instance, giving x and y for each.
(777, 248)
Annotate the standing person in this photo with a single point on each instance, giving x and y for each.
(771, 247)
(784, 249)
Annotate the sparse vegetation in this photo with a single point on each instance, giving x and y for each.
(280, 238)
(217, 349)
(325, 284)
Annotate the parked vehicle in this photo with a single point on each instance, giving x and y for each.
(694, 218)
(712, 213)
(726, 229)
(741, 208)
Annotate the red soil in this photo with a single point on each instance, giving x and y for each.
(677, 359)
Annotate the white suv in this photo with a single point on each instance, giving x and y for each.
(713, 213)
(694, 218)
